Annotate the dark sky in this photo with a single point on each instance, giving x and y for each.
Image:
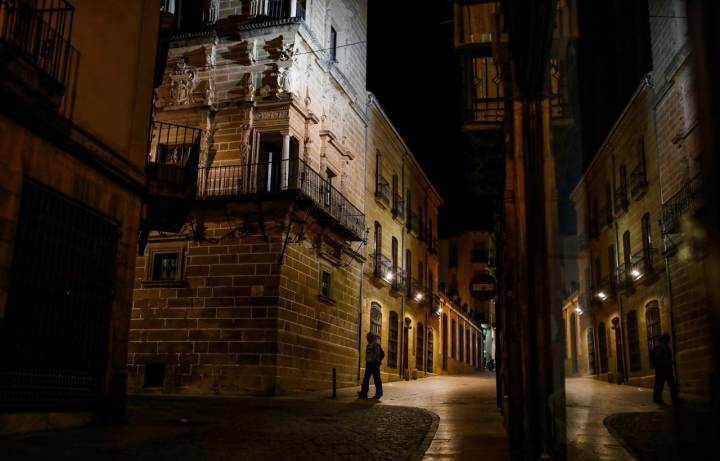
(414, 72)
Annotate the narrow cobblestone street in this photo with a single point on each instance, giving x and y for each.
(403, 425)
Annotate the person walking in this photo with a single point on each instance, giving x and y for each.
(661, 360)
(374, 356)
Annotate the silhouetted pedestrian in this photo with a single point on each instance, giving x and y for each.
(661, 359)
(374, 356)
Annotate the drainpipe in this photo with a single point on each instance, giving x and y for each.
(402, 297)
(362, 264)
(666, 259)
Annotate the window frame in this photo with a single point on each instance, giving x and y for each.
(420, 346)
(155, 249)
(375, 326)
(393, 341)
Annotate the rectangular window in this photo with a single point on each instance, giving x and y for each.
(333, 44)
(165, 264)
(393, 330)
(325, 284)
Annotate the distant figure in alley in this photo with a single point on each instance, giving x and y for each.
(374, 356)
(661, 358)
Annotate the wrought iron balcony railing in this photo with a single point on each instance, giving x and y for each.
(622, 276)
(621, 199)
(174, 154)
(276, 9)
(382, 190)
(399, 280)
(413, 223)
(382, 268)
(416, 291)
(644, 264)
(604, 289)
(638, 180)
(686, 200)
(398, 206)
(486, 110)
(38, 32)
(286, 176)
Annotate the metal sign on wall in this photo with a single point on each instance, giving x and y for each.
(483, 287)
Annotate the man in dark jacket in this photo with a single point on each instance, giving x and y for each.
(661, 359)
(374, 356)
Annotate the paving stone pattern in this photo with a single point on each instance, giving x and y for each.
(239, 429)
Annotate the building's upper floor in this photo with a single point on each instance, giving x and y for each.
(84, 69)
(402, 210)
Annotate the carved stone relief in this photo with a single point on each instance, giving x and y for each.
(183, 81)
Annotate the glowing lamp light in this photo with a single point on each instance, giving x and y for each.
(418, 297)
(601, 295)
(635, 273)
(389, 276)
(579, 311)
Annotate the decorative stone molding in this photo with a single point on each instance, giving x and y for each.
(183, 81)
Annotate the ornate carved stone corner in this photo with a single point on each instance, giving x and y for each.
(183, 81)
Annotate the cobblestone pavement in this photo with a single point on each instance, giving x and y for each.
(238, 429)
(589, 403)
(470, 426)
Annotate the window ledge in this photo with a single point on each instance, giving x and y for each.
(327, 299)
(163, 283)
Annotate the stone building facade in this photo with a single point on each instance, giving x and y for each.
(679, 149)
(462, 257)
(72, 186)
(649, 168)
(623, 291)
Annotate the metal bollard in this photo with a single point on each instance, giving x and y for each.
(334, 383)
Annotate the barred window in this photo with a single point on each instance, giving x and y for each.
(461, 335)
(419, 346)
(165, 266)
(633, 341)
(591, 350)
(602, 348)
(376, 320)
(430, 349)
(453, 339)
(652, 320)
(393, 330)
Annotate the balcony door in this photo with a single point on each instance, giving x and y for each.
(269, 165)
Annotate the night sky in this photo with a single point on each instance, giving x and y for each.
(415, 74)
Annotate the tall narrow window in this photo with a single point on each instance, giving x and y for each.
(376, 320)
(430, 352)
(396, 194)
(611, 266)
(468, 350)
(393, 330)
(595, 219)
(377, 249)
(444, 340)
(408, 213)
(378, 173)
(421, 274)
(591, 350)
(461, 343)
(408, 265)
(431, 282)
(419, 346)
(325, 284)
(602, 347)
(633, 338)
(608, 204)
(626, 249)
(623, 185)
(453, 338)
(652, 321)
(642, 159)
(333, 44)
(394, 254)
(646, 232)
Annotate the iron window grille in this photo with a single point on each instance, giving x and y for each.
(376, 320)
(393, 331)
(165, 265)
(419, 346)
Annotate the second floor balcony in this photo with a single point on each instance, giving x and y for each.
(382, 191)
(644, 264)
(621, 199)
(35, 47)
(383, 268)
(623, 276)
(413, 224)
(416, 291)
(398, 206)
(172, 171)
(686, 201)
(399, 281)
(290, 177)
(638, 181)
(604, 289)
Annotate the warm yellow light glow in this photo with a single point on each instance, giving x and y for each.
(635, 273)
(389, 276)
(601, 295)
